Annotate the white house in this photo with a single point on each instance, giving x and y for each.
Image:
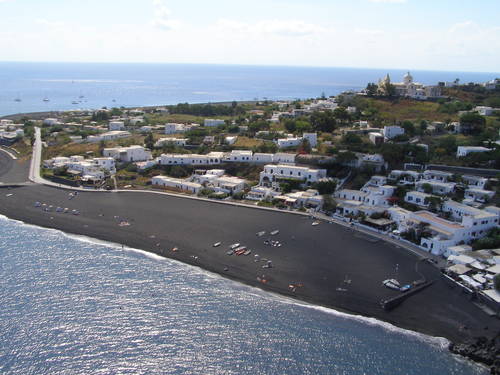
(173, 128)
(474, 181)
(390, 132)
(176, 184)
(284, 158)
(466, 150)
(240, 156)
(289, 142)
(262, 158)
(228, 184)
(258, 193)
(211, 158)
(109, 136)
(485, 111)
(312, 138)
(128, 154)
(50, 121)
(478, 195)
(439, 188)
(438, 176)
(404, 177)
(271, 174)
(376, 138)
(213, 122)
(181, 142)
(231, 140)
(116, 125)
(418, 198)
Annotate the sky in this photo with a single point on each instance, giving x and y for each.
(453, 35)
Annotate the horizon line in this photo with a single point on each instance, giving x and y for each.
(245, 65)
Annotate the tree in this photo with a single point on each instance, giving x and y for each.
(329, 204)
(102, 145)
(496, 282)
(341, 114)
(427, 188)
(409, 128)
(371, 89)
(351, 138)
(472, 123)
(345, 157)
(304, 147)
(389, 89)
(325, 187)
(302, 126)
(149, 141)
(290, 126)
(323, 121)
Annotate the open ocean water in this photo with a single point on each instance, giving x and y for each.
(115, 85)
(76, 306)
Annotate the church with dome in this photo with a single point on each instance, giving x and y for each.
(408, 88)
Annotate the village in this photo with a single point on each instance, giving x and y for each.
(362, 158)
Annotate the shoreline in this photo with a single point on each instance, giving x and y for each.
(436, 340)
(318, 291)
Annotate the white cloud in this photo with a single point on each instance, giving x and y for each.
(388, 1)
(162, 18)
(289, 28)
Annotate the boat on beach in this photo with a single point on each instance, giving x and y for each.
(392, 284)
(217, 244)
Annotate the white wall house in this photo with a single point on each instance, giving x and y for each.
(312, 138)
(289, 142)
(474, 181)
(173, 128)
(404, 177)
(231, 140)
(176, 184)
(466, 150)
(116, 125)
(284, 158)
(211, 158)
(418, 198)
(240, 156)
(478, 195)
(262, 158)
(213, 122)
(271, 174)
(181, 142)
(439, 188)
(390, 132)
(376, 138)
(128, 154)
(438, 176)
(258, 193)
(109, 136)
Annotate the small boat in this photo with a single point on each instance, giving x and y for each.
(392, 284)
(217, 244)
(46, 99)
(17, 99)
(75, 102)
(175, 249)
(248, 252)
(261, 233)
(234, 246)
(314, 223)
(274, 232)
(405, 288)
(240, 248)
(37, 204)
(230, 252)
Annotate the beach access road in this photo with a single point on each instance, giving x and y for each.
(326, 264)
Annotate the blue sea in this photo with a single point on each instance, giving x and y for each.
(114, 85)
(71, 305)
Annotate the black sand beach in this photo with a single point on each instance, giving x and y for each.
(327, 264)
(320, 258)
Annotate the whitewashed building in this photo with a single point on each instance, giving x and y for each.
(439, 188)
(390, 132)
(466, 150)
(116, 125)
(180, 142)
(271, 174)
(108, 136)
(128, 154)
(176, 184)
(211, 158)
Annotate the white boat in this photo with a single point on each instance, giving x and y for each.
(274, 232)
(392, 284)
(234, 246)
(314, 223)
(46, 99)
(216, 244)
